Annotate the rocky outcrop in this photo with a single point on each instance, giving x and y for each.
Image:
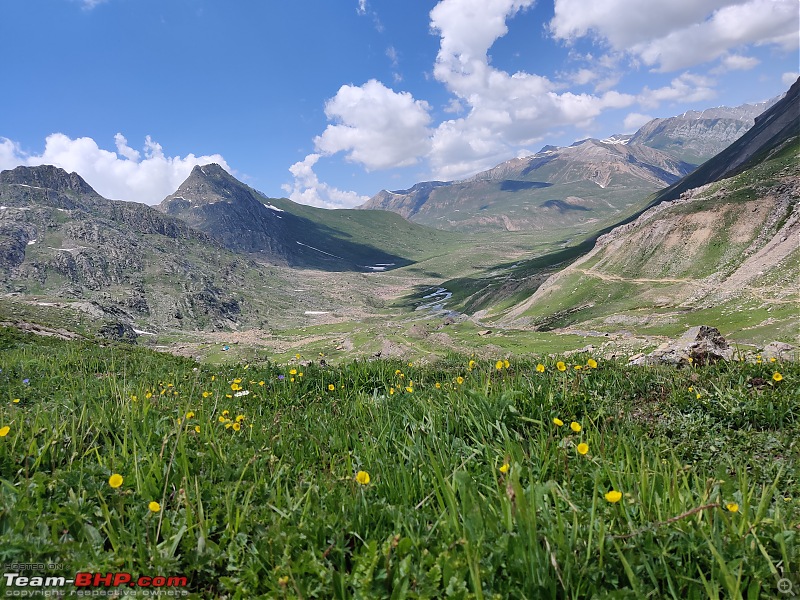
(699, 346)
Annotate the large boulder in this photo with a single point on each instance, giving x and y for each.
(699, 345)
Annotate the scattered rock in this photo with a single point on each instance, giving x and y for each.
(485, 332)
(701, 344)
(585, 349)
(118, 332)
(417, 331)
(779, 351)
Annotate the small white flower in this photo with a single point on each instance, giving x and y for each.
(242, 393)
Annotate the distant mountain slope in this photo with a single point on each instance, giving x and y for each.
(725, 248)
(282, 232)
(766, 156)
(775, 127)
(587, 184)
(61, 240)
(696, 136)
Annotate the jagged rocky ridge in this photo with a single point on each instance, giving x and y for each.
(60, 239)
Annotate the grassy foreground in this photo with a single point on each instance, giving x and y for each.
(389, 480)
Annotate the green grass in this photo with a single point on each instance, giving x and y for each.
(274, 510)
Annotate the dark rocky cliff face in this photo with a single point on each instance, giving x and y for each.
(213, 201)
(58, 237)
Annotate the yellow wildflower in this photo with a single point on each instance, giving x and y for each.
(471, 364)
(506, 364)
(225, 413)
(504, 469)
(239, 418)
(591, 363)
(331, 387)
(206, 394)
(154, 506)
(613, 496)
(15, 401)
(583, 448)
(391, 391)
(438, 385)
(576, 427)
(292, 371)
(115, 480)
(409, 389)
(190, 414)
(540, 368)
(237, 426)
(732, 506)
(558, 422)
(777, 376)
(561, 366)
(362, 477)
(261, 383)
(4, 431)
(197, 428)
(148, 395)
(459, 380)
(498, 365)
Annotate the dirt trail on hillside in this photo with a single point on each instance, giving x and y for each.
(607, 277)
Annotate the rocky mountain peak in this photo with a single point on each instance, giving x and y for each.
(206, 185)
(47, 177)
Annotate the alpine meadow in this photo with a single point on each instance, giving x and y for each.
(362, 340)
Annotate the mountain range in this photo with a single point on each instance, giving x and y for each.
(721, 244)
(590, 184)
(218, 254)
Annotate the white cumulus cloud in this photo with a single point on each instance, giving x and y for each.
(506, 111)
(789, 78)
(121, 175)
(670, 36)
(736, 62)
(634, 121)
(308, 189)
(685, 88)
(376, 126)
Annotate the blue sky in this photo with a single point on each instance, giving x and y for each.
(329, 101)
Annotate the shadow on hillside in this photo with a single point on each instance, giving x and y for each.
(321, 247)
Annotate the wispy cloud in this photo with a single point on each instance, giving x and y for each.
(90, 4)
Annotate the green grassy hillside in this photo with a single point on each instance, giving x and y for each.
(691, 259)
